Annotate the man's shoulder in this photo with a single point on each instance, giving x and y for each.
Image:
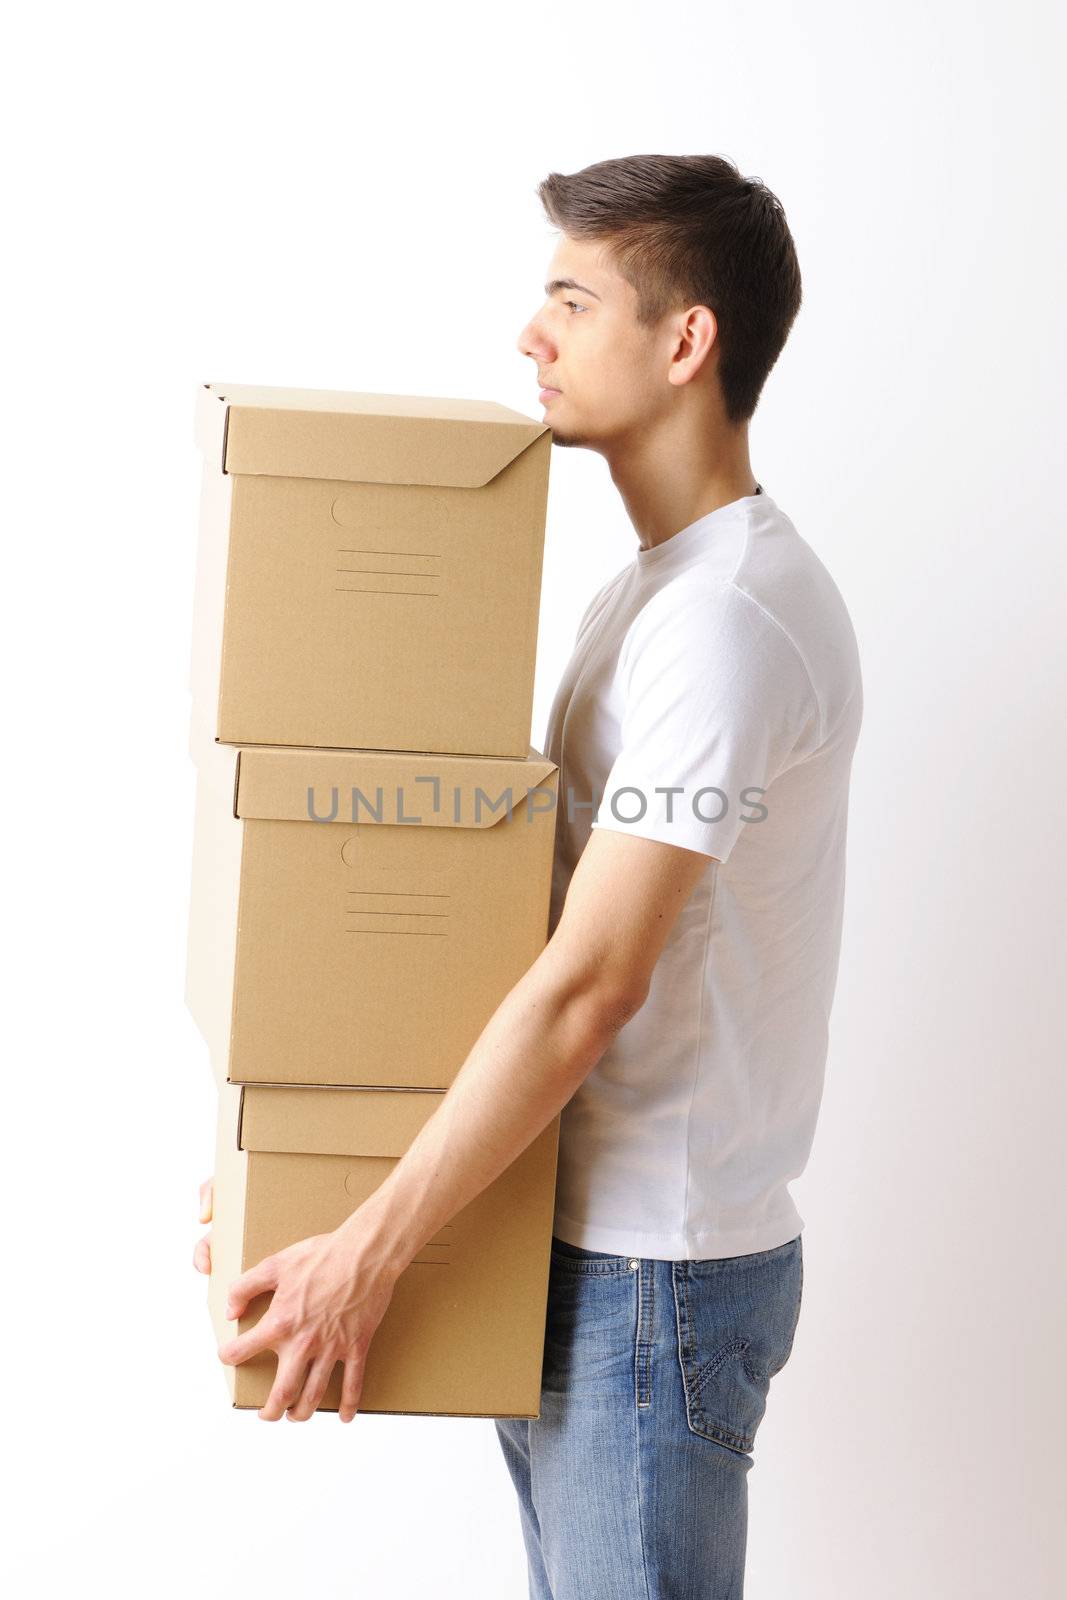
(777, 611)
(710, 607)
(784, 575)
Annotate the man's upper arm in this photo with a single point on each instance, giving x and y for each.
(624, 897)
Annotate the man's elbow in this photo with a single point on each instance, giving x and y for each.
(604, 1008)
(588, 1002)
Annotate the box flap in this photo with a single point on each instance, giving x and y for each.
(389, 786)
(334, 1122)
(366, 438)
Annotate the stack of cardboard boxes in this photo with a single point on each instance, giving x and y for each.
(373, 848)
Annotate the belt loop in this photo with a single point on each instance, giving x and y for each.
(644, 1272)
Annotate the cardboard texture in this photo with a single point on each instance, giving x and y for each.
(369, 570)
(367, 952)
(464, 1331)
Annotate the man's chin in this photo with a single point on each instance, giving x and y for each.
(573, 441)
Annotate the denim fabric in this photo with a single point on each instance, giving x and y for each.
(632, 1482)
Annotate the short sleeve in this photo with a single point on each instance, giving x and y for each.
(717, 700)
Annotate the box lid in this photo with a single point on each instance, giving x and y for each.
(294, 784)
(334, 1122)
(361, 438)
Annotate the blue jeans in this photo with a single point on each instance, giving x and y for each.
(633, 1481)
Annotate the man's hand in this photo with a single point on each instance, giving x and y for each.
(330, 1292)
(202, 1253)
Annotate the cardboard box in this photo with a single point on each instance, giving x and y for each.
(369, 570)
(367, 952)
(464, 1332)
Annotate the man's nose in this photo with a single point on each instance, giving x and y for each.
(531, 341)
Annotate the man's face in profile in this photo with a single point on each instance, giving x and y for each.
(599, 366)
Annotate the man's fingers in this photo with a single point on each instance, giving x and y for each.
(207, 1198)
(264, 1336)
(314, 1389)
(287, 1384)
(258, 1279)
(351, 1389)
(202, 1254)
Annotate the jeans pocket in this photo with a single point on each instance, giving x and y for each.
(737, 1319)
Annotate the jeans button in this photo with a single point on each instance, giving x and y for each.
(634, 1263)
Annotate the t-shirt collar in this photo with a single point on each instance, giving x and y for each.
(691, 537)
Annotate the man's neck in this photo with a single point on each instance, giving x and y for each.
(664, 489)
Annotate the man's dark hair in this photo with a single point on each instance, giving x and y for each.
(690, 230)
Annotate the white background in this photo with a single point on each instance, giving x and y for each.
(345, 198)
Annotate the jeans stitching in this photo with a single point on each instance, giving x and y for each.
(735, 1347)
(643, 1352)
(681, 1306)
(612, 1269)
(650, 1330)
(640, 1500)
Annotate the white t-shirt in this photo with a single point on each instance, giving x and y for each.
(723, 659)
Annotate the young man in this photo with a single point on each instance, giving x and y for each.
(704, 731)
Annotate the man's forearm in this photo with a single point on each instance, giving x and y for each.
(538, 1046)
